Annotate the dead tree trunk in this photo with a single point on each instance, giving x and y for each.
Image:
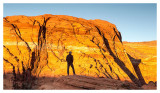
(135, 63)
(118, 61)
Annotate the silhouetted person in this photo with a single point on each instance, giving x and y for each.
(69, 60)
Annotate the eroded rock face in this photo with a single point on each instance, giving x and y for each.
(147, 52)
(43, 42)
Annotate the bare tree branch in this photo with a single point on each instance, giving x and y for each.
(11, 54)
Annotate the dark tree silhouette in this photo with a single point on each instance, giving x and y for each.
(35, 56)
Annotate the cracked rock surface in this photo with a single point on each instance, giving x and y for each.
(96, 46)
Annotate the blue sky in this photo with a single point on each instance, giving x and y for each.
(136, 22)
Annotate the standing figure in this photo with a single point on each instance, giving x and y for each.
(69, 60)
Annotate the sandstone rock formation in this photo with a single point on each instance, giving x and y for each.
(147, 52)
(42, 42)
(77, 82)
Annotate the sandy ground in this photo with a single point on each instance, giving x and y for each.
(77, 82)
